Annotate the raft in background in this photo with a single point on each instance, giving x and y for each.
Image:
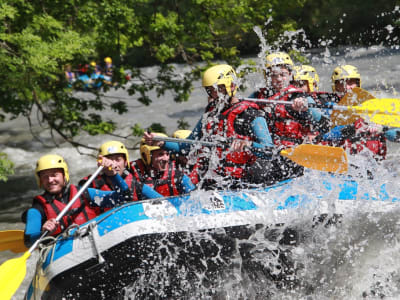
(189, 246)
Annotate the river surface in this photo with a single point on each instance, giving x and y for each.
(358, 259)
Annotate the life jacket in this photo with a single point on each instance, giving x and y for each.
(286, 128)
(79, 213)
(375, 142)
(166, 184)
(100, 183)
(232, 162)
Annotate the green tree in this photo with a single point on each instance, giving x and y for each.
(38, 38)
(6, 167)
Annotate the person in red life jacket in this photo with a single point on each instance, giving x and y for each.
(52, 175)
(293, 124)
(243, 151)
(156, 169)
(118, 154)
(359, 136)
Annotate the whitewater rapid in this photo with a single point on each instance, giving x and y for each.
(357, 258)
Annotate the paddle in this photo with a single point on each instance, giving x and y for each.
(317, 157)
(12, 240)
(355, 97)
(385, 111)
(12, 272)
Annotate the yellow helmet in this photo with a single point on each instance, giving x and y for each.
(114, 147)
(93, 64)
(181, 134)
(277, 59)
(51, 161)
(145, 150)
(306, 73)
(108, 60)
(220, 74)
(345, 72)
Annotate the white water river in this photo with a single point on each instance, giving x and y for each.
(358, 258)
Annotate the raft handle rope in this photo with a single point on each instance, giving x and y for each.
(94, 242)
(46, 245)
(83, 232)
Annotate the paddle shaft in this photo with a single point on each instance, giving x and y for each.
(356, 109)
(206, 144)
(68, 206)
(184, 141)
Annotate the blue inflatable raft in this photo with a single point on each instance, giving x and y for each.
(185, 247)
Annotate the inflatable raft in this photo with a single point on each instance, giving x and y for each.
(186, 247)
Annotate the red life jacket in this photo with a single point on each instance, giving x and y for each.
(100, 183)
(166, 185)
(233, 162)
(79, 213)
(285, 128)
(375, 142)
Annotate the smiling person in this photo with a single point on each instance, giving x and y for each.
(53, 177)
(156, 169)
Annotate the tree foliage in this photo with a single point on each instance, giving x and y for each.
(6, 167)
(38, 38)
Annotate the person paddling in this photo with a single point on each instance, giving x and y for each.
(243, 155)
(118, 154)
(360, 136)
(53, 177)
(156, 169)
(289, 125)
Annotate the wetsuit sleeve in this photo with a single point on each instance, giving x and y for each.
(119, 183)
(314, 112)
(320, 121)
(179, 147)
(33, 228)
(102, 198)
(262, 136)
(335, 134)
(340, 133)
(187, 184)
(109, 198)
(150, 193)
(393, 135)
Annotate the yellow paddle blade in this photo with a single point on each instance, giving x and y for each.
(317, 157)
(384, 111)
(12, 240)
(12, 273)
(353, 98)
